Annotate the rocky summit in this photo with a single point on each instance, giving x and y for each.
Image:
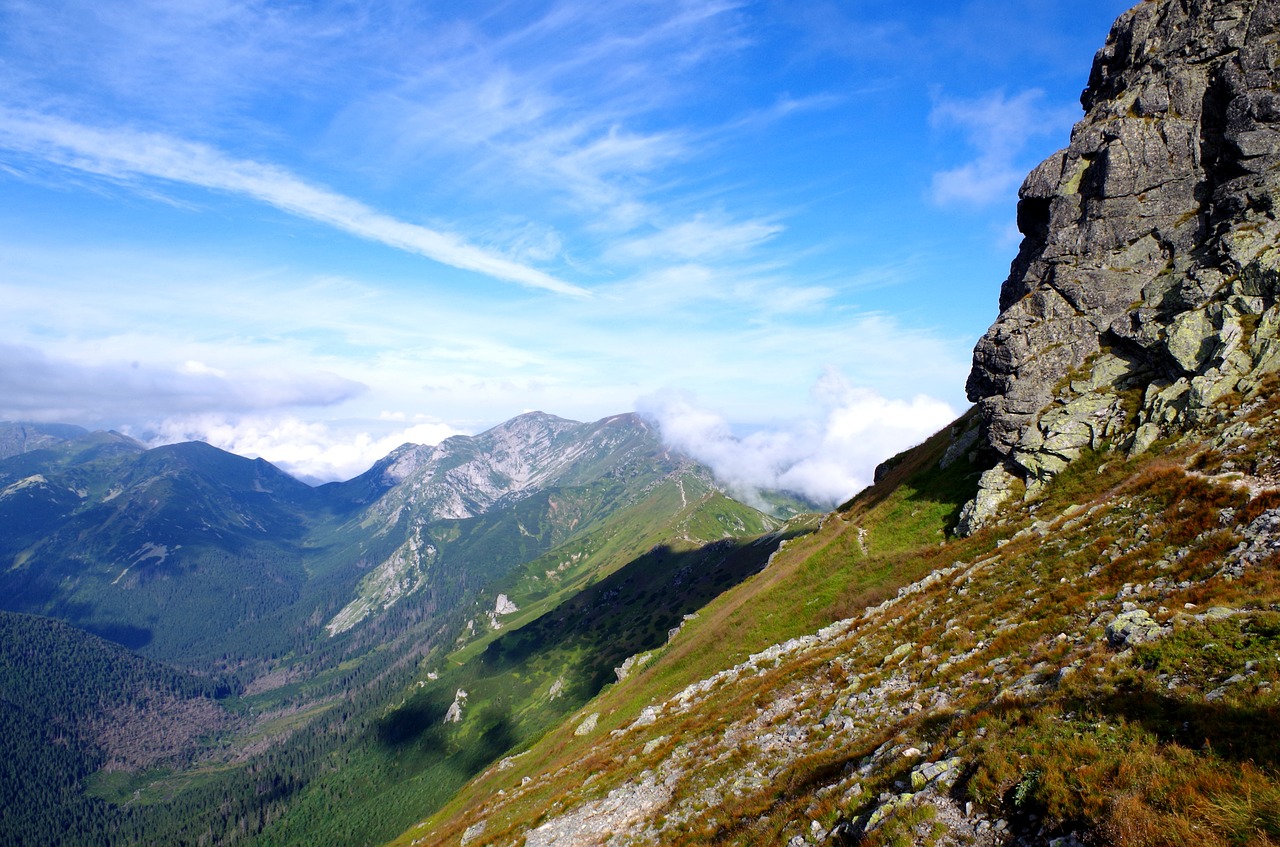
(1146, 284)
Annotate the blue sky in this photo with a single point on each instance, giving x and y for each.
(311, 231)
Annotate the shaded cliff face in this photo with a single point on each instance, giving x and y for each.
(1145, 286)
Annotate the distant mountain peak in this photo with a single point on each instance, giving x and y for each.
(464, 475)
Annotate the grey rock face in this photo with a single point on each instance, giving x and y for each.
(1146, 282)
(465, 476)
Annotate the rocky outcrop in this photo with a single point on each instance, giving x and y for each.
(1131, 627)
(1146, 284)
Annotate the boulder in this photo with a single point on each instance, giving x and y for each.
(1133, 627)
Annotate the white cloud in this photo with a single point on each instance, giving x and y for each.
(732, 336)
(683, 294)
(998, 128)
(827, 457)
(702, 237)
(126, 154)
(201, 369)
(34, 386)
(311, 451)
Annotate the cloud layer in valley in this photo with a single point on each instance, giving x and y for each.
(828, 456)
(313, 452)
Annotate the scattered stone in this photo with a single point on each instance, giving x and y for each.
(593, 822)
(648, 716)
(632, 663)
(454, 713)
(588, 724)
(898, 654)
(654, 744)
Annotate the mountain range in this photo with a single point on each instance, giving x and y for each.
(1056, 622)
(288, 600)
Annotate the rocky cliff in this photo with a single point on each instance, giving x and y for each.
(1146, 284)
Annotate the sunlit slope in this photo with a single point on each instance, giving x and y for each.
(861, 553)
(1099, 664)
(583, 610)
(228, 566)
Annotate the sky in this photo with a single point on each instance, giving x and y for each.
(314, 231)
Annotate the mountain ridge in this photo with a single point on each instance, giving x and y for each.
(137, 514)
(329, 611)
(1054, 623)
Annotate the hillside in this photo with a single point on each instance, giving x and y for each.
(203, 558)
(1054, 623)
(76, 711)
(340, 615)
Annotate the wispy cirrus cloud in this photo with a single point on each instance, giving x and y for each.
(128, 155)
(702, 237)
(575, 105)
(998, 128)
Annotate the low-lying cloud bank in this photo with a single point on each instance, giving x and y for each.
(827, 457)
(312, 452)
(34, 386)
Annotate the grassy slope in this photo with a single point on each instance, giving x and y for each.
(626, 584)
(815, 579)
(1172, 742)
(684, 511)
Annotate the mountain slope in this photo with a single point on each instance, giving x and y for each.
(475, 507)
(1092, 658)
(857, 555)
(196, 555)
(326, 606)
(1099, 664)
(136, 544)
(546, 657)
(71, 705)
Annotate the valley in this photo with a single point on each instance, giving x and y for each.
(335, 625)
(1055, 622)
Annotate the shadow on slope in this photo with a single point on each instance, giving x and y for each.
(557, 662)
(881, 539)
(522, 684)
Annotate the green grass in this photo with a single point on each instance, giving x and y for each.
(630, 580)
(816, 579)
(1174, 742)
(682, 511)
